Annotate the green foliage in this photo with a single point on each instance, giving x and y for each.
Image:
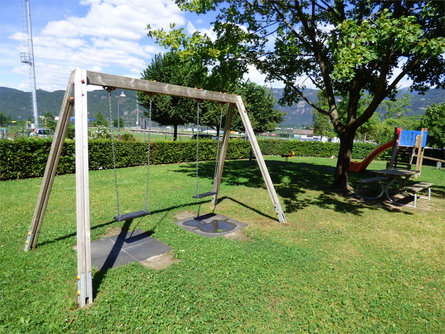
(345, 48)
(170, 68)
(321, 122)
(260, 104)
(119, 123)
(4, 119)
(434, 121)
(395, 115)
(49, 121)
(100, 132)
(27, 158)
(100, 120)
(127, 137)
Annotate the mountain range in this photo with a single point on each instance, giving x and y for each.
(17, 104)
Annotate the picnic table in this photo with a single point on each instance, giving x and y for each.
(393, 181)
(396, 180)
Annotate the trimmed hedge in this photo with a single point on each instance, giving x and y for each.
(27, 158)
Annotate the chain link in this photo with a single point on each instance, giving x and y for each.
(114, 154)
(148, 154)
(197, 151)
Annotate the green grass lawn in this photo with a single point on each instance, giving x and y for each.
(339, 265)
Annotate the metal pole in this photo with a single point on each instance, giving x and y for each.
(137, 112)
(29, 59)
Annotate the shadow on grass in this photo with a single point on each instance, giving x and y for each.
(99, 276)
(165, 210)
(292, 180)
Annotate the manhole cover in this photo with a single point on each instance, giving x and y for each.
(215, 226)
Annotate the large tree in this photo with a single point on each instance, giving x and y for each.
(170, 68)
(260, 102)
(344, 48)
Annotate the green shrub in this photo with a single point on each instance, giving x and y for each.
(27, 158)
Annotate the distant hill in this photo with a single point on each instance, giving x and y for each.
(18, 104)
(300, 114)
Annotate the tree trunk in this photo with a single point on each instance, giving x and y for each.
(175, 132)
(344, 158)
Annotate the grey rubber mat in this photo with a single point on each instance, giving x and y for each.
(210, 225)
(127, 247)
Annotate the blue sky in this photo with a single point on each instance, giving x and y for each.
(100, 35)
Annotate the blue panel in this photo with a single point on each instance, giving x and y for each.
(408, 138)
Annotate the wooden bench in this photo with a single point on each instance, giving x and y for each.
(417, 187)
(377, 179)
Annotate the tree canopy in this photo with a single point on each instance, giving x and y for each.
(170, 68)
(434, 121)
(344, 48)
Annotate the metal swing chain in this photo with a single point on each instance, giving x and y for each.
(114, 154)
(148, 154)
(197, 151)
(218, 146)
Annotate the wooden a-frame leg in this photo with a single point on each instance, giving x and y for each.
(51, 167)
(260, 160)
(222, 155)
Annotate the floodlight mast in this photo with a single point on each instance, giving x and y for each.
(28, 57)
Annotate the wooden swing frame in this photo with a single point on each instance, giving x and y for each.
(78, 82)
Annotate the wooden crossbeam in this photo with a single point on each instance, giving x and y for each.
(108, 80)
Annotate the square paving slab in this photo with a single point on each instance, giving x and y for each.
(127, 247)
(210, 225)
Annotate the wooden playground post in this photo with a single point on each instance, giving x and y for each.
(222, 155)
(420, 152)
(51, 167)
(84, 277)
(259, 158)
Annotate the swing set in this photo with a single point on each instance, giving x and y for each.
(78, 82)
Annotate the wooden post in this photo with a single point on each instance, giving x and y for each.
(259, 158)
(84, 291)
(51, 167)
(395, 147)
(420, 152)
(222, 155)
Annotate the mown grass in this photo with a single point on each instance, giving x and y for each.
(339, 265)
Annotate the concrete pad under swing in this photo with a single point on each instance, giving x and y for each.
(126, 247)
(210, 225)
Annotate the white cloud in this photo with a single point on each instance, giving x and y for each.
(111, 37)
(257, 77)
(209, 32)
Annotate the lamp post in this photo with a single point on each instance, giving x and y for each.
(118, 116)
(137, 113)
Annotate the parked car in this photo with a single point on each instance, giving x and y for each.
(42, 133)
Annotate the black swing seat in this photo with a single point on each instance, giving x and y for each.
(131, 215)
(210, 193)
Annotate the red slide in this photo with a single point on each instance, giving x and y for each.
(356, 166)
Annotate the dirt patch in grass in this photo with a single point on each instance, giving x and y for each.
(111, 232)
(159, 262)
(238, 235)
(185, 214)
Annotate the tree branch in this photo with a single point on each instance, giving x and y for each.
(291, 28)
